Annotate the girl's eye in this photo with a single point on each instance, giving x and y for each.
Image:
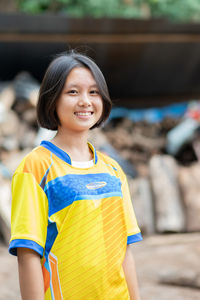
(94, 92)
(72, 92)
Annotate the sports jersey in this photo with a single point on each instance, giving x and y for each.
(79, 220)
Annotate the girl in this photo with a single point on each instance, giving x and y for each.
(72, 219)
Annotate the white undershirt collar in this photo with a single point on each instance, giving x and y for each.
(83, 164)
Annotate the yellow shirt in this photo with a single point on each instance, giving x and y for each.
(78, 219)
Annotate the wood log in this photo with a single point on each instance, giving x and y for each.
(180, 277)
(189, 180)
(97, 137)
(141, 196)
(13, 158)
(169, 210)
(123, 138)
(10, 125)
(136, 157)
(7, 95)
(29, 116)
(119, 138)
(10, 143)
(127, 124)
(150, 144)
(26, 91)
(28, 139)
(101, 143)
(21, 133)
(26, 136)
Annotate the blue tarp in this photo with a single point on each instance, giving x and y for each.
(151, 115)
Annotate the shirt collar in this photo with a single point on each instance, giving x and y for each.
(63, 155)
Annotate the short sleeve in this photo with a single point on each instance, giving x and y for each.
(29, 214)
(133, 231)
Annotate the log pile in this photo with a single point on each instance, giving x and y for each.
(17, 113)
(18, 130)
(165, 189)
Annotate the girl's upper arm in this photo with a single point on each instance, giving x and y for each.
(29, 214)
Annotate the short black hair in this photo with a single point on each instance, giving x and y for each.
(53, 84)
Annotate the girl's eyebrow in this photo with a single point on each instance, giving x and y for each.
(76, 86)
(71, 85)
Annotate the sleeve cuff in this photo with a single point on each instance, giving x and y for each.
(134, 238)
(21, 243)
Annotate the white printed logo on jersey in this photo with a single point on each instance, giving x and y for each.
(95, 185)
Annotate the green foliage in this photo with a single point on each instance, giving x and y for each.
(100, 8)
(183, 10)
(33, 6)
(81, 8)
(178, 10)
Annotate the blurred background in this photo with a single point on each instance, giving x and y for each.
(149, 52)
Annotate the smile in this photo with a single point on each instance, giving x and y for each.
(89, 113)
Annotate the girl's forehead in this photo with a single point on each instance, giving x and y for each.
(79, 76)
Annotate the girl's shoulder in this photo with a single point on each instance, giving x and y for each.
(110, 161)
(34, 160)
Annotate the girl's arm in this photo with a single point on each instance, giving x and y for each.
(30, 275)
(130, 274)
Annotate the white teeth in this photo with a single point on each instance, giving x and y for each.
(83, 113)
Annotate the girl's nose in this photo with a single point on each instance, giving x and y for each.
(84, 100)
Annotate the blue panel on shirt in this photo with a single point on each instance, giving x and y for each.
(52, 233)
(23, 243)
(134, 238)
(64, 190)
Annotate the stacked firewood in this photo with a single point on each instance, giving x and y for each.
(17, 113)
(18, 130)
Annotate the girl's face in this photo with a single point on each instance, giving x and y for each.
(80, 105)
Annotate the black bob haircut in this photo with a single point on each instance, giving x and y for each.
(53, 84)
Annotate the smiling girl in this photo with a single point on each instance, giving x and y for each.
(72, 217)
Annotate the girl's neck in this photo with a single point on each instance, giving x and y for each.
(75, 145)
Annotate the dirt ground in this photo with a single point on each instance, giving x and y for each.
(154, 256)
(158, 255)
